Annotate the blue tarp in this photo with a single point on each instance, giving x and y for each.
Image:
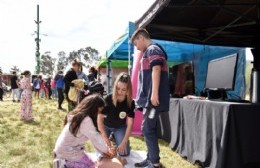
(119, 50)
(200, 55)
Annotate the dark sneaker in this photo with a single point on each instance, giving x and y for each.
(152, 166)
(142, 164)
(62, 109)
(14, 101)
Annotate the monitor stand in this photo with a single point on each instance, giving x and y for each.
(219, 95)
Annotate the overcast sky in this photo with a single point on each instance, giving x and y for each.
(69, 25)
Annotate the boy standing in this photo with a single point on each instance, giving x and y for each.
(152, 95)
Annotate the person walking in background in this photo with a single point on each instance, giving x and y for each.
(53, 89)
(92, 76)
(48, 88)
(37, 86)
(15, 86)
(1, 87)
(26, 98)
(152, 95)
(42, 88)
(118, 114)
(68, 78)
(60, 87)
(82, 75)
(20, 89)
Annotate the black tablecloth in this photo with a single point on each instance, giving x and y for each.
(217, 134)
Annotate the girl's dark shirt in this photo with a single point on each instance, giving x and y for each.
(115, 117)
(91, 77)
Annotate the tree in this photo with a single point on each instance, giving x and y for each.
(1, 70)
(91, 55)
(73, 55)
(47, 65)
(14, 69)
(88, 56)
(62, 61)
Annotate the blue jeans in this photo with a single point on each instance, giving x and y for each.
(119, 134)
(20, 94)
(54, 93)
(149, 129)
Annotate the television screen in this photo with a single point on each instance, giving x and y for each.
(221, 73)
(181, 80)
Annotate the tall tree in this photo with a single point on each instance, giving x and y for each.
(91, 56)
(14, 69)
(1, 70)
(73, 55)
(88, 56)
(62, 61)
(47, 63)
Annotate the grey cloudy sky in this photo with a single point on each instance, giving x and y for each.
(68, 24)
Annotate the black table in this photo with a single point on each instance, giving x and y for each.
(216, 134)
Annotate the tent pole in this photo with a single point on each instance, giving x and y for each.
(131, 29)
(129, 58)
(255, 76)
(108, 75)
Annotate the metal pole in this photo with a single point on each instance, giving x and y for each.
(108, 74)
(131, 29)
(129, 58)
(37, 40)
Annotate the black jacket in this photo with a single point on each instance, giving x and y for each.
(68, 78)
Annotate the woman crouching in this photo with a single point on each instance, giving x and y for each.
(81, 125)
(118, 115)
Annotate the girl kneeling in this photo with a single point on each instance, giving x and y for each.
(118, 114)
(80, 126)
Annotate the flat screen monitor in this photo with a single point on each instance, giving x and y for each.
(181, 80)
(221, 73)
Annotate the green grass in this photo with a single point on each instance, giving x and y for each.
(30, 144)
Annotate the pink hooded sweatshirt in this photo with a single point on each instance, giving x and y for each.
(72, 148)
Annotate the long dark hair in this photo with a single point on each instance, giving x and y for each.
(26, 73)
(89, 106)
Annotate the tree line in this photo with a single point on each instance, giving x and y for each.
(49, 65)
(88, 56)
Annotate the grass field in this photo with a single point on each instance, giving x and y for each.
(30, 144)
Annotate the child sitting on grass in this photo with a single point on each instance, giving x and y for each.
(80, 126)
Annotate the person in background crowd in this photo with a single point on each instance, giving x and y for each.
(15, 87)
(53, 89)
(60, 87)
(1, 87)
(92, 74)
(26, 99)
(20, 89)
(68, 78)
(37, 86)
(42, 88)
(152, 95)
(118, 114)
(82, 75)
(48, 88)
(80, 126)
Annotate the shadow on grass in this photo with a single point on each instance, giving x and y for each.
(139, 137)
(32, 122)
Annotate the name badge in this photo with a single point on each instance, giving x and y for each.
(122, 115)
